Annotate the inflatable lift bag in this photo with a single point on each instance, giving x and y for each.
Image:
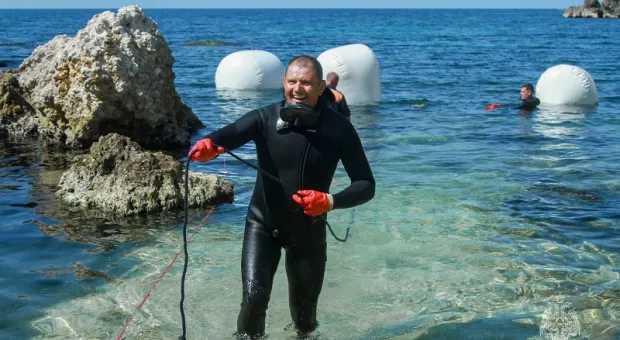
(359, 72)
(250, 70)
(566, 85)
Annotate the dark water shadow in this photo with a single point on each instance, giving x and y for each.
(506, 328)
(564, 195)
(27, 169)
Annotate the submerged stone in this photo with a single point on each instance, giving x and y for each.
(209, 43)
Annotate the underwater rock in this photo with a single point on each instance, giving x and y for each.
(607, 330)
(119, 177)
(115, 75)
(594, 315)
(209, 43)
(515, 327)
(105, 232)
(80, 271)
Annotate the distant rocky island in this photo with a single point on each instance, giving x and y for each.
(594, 9)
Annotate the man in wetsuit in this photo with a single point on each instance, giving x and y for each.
(528, 100)
(304, 155)
(336, 98)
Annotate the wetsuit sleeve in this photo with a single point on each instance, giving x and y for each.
(362, 188)
(345, 108)
(529, 104)
(234, 135)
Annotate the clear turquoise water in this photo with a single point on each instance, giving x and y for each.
(482, 219)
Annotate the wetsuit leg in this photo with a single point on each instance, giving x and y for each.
(305, 268)
(259, 262)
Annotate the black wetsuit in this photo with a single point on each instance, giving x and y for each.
(529, 104)
(337, 101)
(303, 158)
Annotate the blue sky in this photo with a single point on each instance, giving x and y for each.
(291, 4)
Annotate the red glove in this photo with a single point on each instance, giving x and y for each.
(492, 107)
(314, 202)
(205, 150)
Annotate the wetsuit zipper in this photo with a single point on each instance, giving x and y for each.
(303, 166)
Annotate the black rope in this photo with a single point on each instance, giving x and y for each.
(274, 178)
(185, 208)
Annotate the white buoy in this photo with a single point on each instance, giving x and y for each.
(566, 85)
(250, 70)
(358, 69)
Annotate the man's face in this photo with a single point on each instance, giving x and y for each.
(525, 93)
(302, 86)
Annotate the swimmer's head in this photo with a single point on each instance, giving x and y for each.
(526, 91)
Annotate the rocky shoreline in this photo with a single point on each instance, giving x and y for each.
(111, 89)
(593, 9)
(118, 176)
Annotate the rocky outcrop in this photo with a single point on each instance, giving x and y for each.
(115, 75)
(611, 8)
(15, 111)
(594, 10)
(119, 177)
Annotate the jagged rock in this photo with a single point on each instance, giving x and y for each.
(581, 12)
(119, 177)
(14, 109)
(115, 75)
(611, 8)
(594, 9)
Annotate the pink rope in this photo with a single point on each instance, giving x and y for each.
(161, 276)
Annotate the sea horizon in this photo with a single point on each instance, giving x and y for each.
(295, 8)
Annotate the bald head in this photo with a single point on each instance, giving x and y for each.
(306, 61)
(332, 78)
